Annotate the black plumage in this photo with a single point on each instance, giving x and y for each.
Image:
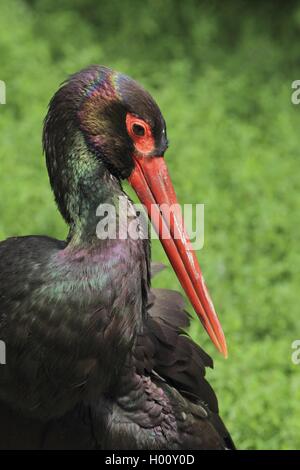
(96, 359)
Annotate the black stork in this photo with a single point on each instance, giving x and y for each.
(95, 358)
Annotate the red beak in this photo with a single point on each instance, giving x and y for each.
(151, 181)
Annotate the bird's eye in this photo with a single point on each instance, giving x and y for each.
(140, 133)
(138, 129)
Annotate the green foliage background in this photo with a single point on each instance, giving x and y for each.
(222, 73)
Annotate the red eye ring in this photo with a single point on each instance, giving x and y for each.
(141, 134)
(136, 127)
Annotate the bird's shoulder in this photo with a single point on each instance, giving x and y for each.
(26, 255)
(32, 245)
(49, 324)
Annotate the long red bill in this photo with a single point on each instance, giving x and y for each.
(151, 181)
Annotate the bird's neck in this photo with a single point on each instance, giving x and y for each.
(90, 199)
(88, 186)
